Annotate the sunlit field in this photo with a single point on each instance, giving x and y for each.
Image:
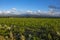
(30, 28)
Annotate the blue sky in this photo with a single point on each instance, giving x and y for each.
(28, 4)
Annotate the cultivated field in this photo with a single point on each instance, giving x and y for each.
(29, 28)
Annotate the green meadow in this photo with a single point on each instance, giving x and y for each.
(30, 28)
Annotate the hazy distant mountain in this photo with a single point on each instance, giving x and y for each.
(29, 13)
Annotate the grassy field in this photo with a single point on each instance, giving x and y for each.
(30, 28)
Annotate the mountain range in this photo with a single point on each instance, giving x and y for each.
(28, 13)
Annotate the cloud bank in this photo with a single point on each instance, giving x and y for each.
(13, 11)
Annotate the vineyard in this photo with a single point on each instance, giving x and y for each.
(29, 28)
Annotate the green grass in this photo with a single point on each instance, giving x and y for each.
(33, 24)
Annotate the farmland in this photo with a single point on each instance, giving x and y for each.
(30, 28)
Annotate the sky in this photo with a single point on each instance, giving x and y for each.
(28, 4)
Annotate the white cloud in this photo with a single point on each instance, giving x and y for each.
(0, 12)
(14, 9)
(8, 11)
(29, 12)
(5, 12)
(38, 12)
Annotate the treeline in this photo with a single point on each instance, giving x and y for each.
(29, 16)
